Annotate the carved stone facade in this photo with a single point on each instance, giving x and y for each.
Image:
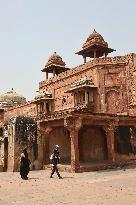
(89, 110)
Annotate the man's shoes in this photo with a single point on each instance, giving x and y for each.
(51, 177)
(60, 177)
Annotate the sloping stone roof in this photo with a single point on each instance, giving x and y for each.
(95, 38)
(55, 59)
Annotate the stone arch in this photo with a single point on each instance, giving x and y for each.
(92, 144)
(125, 140)
(112, 101)
(61, 136)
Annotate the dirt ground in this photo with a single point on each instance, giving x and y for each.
(89, 188)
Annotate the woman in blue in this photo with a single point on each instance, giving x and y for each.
(55, 160)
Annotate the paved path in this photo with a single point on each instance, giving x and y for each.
(90, 188)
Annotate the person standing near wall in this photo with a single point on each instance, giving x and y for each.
(55, 160)
(24, 165)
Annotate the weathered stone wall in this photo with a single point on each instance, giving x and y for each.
(19, 132)
(59, 88)
(19, 147)
(29, 109)
(61, 137)
(9, 133)
(110, 77)
(1, 117)
(1, 155)
(131, 84)
(92, 144)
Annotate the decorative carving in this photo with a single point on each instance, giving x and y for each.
(109, 126)
(69, 122)
(45, 130)
(78, 123)
(112, 101)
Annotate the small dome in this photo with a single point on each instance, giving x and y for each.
(11, 99)
(55, 59)
(95, 38)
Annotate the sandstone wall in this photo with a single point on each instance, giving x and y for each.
(60, 137)
(110, 76)
(28, 109)
(92, 144)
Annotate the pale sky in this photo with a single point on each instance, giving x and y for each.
(31, 30)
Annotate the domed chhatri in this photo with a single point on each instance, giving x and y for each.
(54, 65)
(95, 47)
(56, 60)
(11, 99)
(95, 38)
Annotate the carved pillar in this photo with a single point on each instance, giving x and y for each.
(43, 144)
(110, 129)
(86, 97)
(46, 157)
(46, 75)
(84, 59)
(45, 111)
(95, 54)
(40, 144)
(54, 72)
(73, 125)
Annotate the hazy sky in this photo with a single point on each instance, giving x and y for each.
(31, 30)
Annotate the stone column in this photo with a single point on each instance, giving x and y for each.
(43, 144)
(45, 107)
(73, 125)
(46, 75)
(84, 59)
(36, 109)
(40, 143)
(46, 159)
(86, 97)
(110, 129)
(54, 72)
(75, 99)
(95, 54)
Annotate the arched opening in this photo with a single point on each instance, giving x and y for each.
(61, 136)
(125, 142)
(5, 153)
(92, 144)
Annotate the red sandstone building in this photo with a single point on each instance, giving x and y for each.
(89, 110)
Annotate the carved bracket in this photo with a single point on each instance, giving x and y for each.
(73, 123)
(109, 125)
(69, 122)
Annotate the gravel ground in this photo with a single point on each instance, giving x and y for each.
(110, 187)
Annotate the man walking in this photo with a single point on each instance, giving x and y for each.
(55, 160)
